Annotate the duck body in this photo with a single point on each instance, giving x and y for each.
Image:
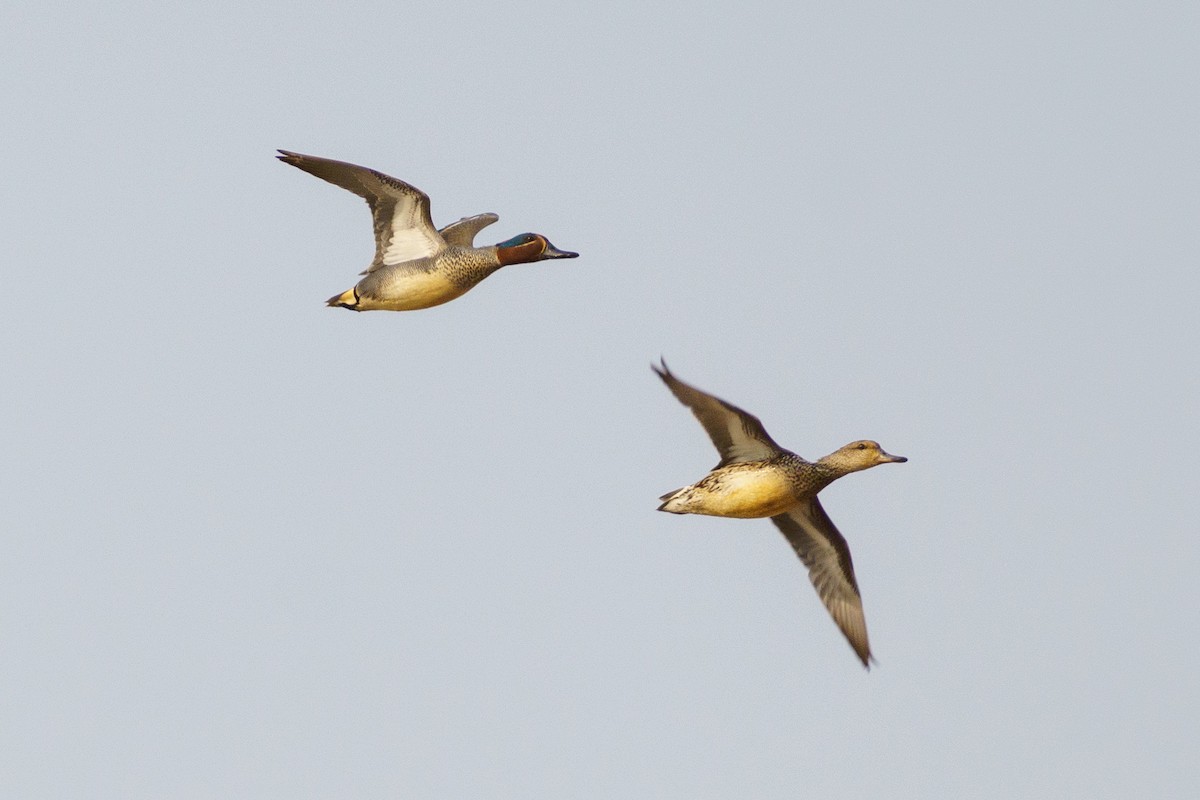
(416, 265)
(747, 489)
(421, 282)
(758, 478)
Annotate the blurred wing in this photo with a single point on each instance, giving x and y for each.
(403, 228)
(463, 232)
(824, 551)
(738, 435)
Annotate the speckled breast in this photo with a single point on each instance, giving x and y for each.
(742, 493)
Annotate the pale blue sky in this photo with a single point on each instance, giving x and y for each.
(259, 548)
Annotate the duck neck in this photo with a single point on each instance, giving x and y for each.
(829, 471)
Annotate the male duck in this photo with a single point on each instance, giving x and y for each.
(417, 265)
(758, 478)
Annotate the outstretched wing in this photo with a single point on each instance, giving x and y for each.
(403, 228)
(463, 232)
(824, 551)
(737, 434)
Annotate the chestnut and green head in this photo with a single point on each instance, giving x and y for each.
(528, 247)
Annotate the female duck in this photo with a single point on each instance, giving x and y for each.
(417, 265)
(758, 478)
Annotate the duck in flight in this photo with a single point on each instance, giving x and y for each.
(758, 478)
(416, 265)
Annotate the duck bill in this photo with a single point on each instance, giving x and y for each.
(553, 252)
(888, 458)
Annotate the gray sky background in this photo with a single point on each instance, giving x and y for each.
(259, 548)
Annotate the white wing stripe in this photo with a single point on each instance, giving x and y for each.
(410, 237)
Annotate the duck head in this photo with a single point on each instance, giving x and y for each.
(529, 247)
(860, 455)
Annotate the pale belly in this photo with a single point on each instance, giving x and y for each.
(412, 291)
(743, 494)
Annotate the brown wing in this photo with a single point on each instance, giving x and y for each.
(737, 434)
(403, 227)
(824, 551)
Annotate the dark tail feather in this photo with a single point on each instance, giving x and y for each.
(666, 498)
(347, 299)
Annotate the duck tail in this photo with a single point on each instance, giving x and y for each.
(347, 299)
(671, 504)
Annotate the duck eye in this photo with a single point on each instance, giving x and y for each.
(862, 445)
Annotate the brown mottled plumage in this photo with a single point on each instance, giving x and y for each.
(758, 478)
